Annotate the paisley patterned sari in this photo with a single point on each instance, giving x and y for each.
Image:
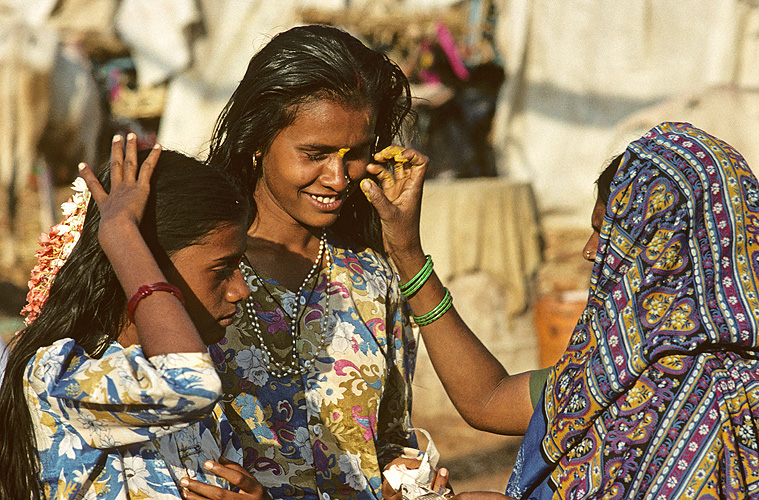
(657, 395)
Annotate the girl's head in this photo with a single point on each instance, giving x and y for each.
(297, 69)
(194, 224)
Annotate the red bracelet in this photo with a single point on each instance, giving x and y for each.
(146, 290)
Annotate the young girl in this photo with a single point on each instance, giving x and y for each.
(317, 367)
(110, 391)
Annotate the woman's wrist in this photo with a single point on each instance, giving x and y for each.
(409, 263)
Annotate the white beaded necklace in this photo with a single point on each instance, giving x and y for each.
(292, 365)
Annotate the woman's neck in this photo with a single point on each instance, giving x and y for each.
(290, 235)
(284, 253)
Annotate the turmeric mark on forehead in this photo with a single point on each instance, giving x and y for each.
(342, 151)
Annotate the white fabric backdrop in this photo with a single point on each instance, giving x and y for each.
(234, 32)
(579, 69)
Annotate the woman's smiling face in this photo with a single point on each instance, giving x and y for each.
(312, 163)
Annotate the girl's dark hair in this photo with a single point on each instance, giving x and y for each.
(603, 183)
(296, 66)
(187, 202)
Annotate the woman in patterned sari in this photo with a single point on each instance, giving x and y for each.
(657, 395)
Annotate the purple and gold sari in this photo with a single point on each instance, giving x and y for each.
(657, 395)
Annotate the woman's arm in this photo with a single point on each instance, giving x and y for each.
(484, 393)
(162, 323)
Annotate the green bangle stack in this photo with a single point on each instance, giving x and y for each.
(414, 284)
(437, 312)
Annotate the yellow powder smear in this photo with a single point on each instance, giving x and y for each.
(341, 152)
(395, 152)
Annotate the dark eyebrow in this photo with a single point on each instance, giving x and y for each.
(318, 147)
(222, 260)
(596, 227)
(331, 149)
(228, 257)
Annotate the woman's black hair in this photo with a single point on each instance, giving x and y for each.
(295, 67)
(187, 202)
(603, 183)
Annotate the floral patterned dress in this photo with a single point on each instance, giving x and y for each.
(123, 426)
(327, 430)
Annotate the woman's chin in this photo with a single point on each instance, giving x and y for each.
(212, 335)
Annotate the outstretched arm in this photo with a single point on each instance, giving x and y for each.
(483, 392)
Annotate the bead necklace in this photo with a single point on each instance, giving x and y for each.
(292, 366)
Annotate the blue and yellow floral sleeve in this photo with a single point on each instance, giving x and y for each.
(121, 398)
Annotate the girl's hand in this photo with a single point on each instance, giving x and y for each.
(237, 476)
(125, 203)
(439, 482)
(399, 200)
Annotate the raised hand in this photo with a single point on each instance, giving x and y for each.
(398, 199)
(250, 488)
(125, 203)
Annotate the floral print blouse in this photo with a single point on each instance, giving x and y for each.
(328, 432)
(123, 426)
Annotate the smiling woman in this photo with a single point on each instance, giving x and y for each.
(308, 169)
(317, 365)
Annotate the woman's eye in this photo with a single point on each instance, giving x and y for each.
(316, 156)
(224, 272)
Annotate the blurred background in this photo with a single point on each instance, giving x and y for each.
(520, 104)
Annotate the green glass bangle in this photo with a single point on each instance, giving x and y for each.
(437, 312)
(414, 284)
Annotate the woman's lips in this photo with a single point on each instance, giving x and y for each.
(327, 203)
(227, 320)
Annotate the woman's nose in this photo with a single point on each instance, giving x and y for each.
(336, 173)
(589, 251)
(238, 289)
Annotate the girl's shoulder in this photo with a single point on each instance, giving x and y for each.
(51, 362)
(65, 357)
(57, 353)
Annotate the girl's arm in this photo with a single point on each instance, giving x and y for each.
(484, 393)
(162, 323)
(120, 398)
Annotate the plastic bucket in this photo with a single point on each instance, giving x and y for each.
(556, 315)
